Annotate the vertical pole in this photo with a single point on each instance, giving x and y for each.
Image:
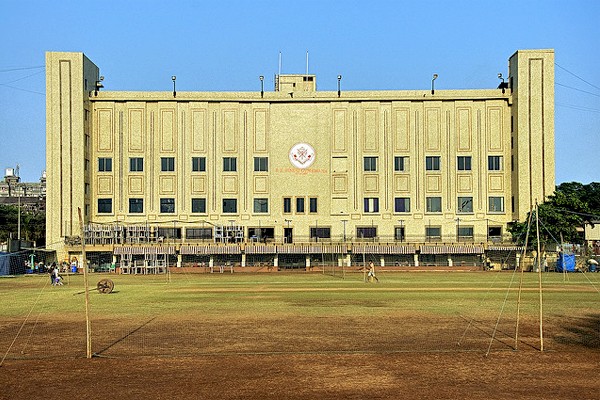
(537, 224)
(521, 283)
(88, 326)
(19, 221)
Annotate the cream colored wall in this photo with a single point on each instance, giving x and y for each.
(532, 73)
(342, 130)
(342, 134)
(69, 78)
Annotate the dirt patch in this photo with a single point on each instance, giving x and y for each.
(506, 375)
(413, 355)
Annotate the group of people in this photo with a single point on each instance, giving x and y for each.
(55, 276)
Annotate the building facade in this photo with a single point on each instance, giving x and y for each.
(276, 176)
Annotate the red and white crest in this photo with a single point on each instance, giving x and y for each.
(302, 155)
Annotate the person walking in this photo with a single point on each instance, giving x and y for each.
(371, 274)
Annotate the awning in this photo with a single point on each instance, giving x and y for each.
(334, 249)
(455, 249)
(495, 247)
(186, 249)
(260, 249)
(160, 250)
(382, 249)
(144, 250)
(292, 249)
(129, 250)
(224, 249)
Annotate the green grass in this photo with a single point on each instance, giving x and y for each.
(313, 294)
(295, 312)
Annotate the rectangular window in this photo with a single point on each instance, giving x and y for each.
(136, 164)
(104, 206)
(230, 206)
(198, 164)
(464, 232)
(433, 233)
(261, 205)
(432, 163)
(229, 164)
(312, 205)
(199, 205)
(136, 206)
(463, 163)
(495, 232)
(496, 204)
(371, 204)
(104, 164)
(400, 164)
(402, 204)
(366, 232)
(370, 164)
(167, 206)
(261, 164)
(198, 233)
(494, 163)
(170, 233)
(287, 205)
(300, 204)
(167, 164)
(433, 204)
(320, 232)
(465, 205)
(399, 233)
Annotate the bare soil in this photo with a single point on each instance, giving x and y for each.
(413, 356)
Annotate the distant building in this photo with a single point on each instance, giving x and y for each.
(290, 176)
(31, 195)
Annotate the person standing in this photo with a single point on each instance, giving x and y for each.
(371, 274)
(51, 272)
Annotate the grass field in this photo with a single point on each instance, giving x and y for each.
(250, 321)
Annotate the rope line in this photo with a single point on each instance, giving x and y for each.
(24, 322)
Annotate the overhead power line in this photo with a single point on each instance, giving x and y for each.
(21, 69)
(577, 76)
(579, 90)
(23, 90)
(595, 110)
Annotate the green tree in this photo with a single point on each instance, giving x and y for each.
(567, 210)
(33, 224)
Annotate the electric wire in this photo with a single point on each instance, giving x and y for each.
(578, 90)
(576, 76)
(22, 68)
(24, 322)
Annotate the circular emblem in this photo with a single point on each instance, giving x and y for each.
(302, 155)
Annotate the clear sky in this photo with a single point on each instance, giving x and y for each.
(221, 45)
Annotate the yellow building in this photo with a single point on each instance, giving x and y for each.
(284, 176)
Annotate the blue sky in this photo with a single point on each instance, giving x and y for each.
(225, 45)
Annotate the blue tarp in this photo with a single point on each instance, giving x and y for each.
(565, 262)
(4, 263)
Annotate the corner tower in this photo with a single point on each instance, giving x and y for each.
(531, 79)
(70, 79)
